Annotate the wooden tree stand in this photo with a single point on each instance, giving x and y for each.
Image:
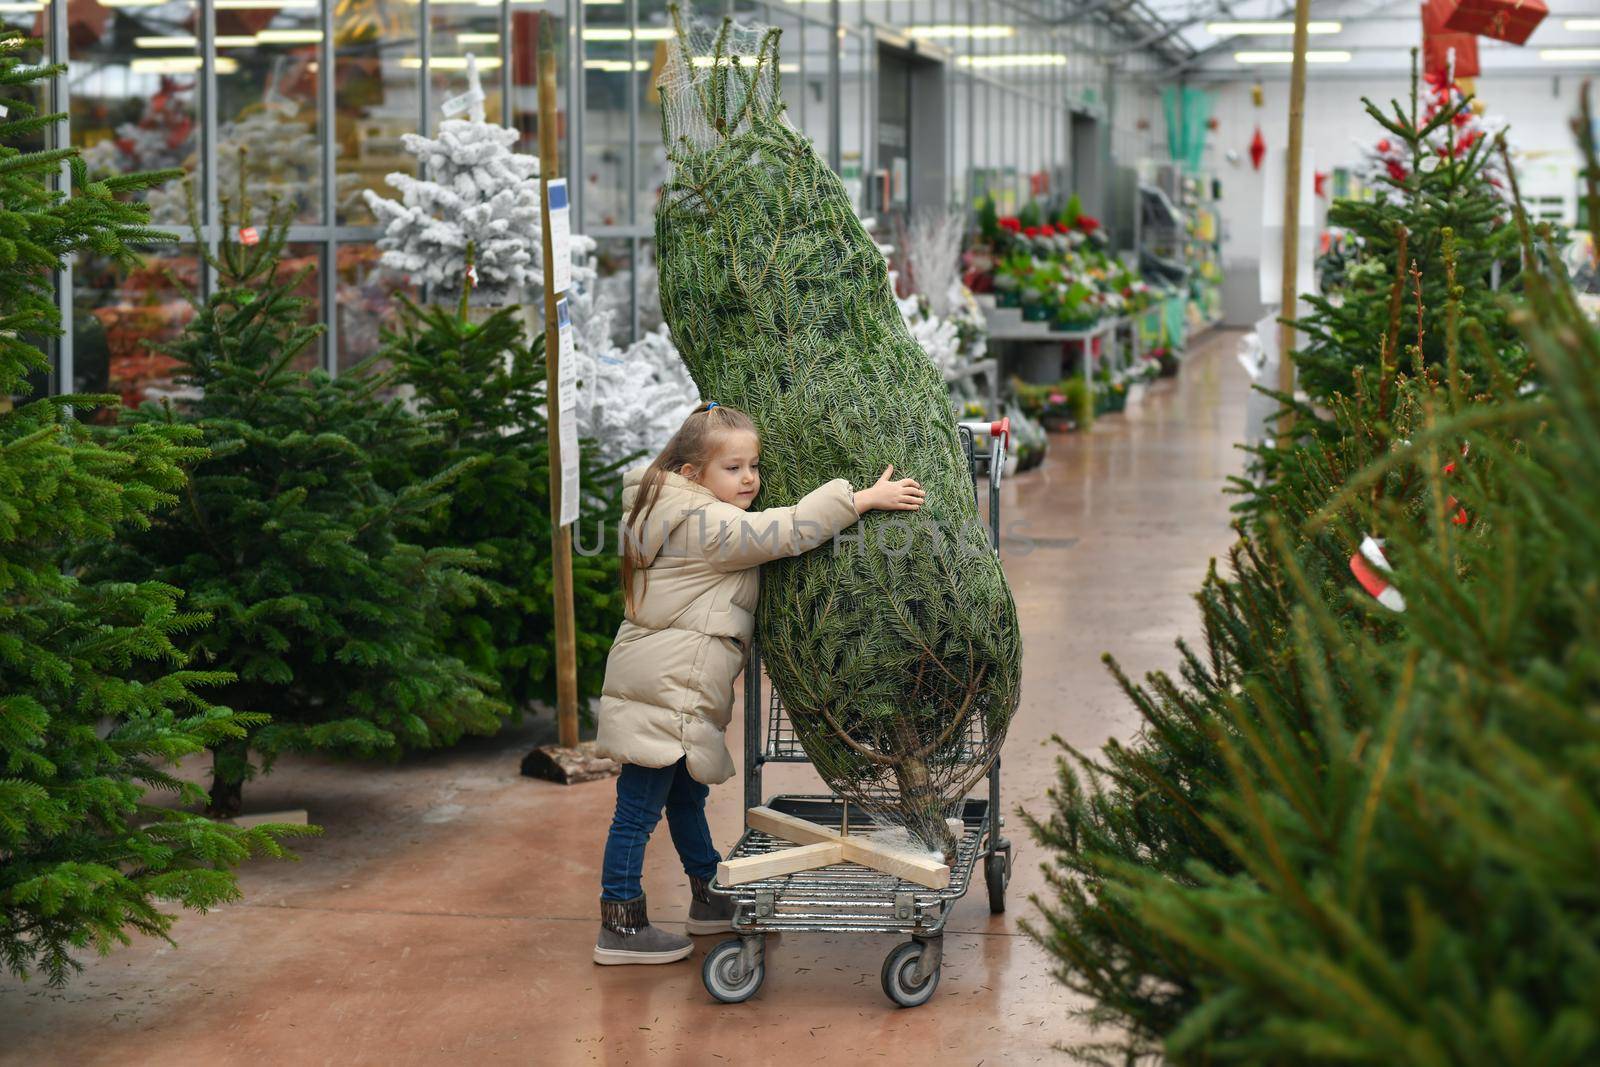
(818, 846)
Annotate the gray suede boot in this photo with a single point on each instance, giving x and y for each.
(709, 913)
(626, 936)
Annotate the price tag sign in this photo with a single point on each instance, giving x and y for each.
(560, 236)
(567, 392)
(249, 235)
(457, 104)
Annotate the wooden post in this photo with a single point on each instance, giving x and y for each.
(561, 536)
(1291, 211)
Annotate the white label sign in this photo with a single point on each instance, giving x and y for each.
(560, 235)
(457, 104)
(567, 402)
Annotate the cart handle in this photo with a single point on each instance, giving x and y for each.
(999, 428)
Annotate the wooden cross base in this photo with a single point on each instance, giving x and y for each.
(818, 846)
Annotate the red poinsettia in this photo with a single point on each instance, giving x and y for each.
(1088, 223)
(1030, 231)
(1010, 223)
(1047, 230)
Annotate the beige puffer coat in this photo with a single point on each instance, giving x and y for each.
(669, 678)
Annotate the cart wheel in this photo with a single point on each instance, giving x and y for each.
(725, 975)
(996, 873)
(899, 971)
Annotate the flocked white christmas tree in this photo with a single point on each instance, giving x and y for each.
(476, 191)
(630, 400)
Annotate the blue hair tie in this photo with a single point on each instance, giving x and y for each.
(710, 404)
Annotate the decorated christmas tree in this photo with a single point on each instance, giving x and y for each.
(97, 697)
(1359, 825)
(1438, 169)
(474, 191)
(897, 658)
(326, 608)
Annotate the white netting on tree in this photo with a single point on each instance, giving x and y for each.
(898, 663)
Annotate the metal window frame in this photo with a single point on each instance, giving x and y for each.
(1049, 97)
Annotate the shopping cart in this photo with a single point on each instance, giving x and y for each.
(845, 898)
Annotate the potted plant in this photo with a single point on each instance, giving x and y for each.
(1035, 301)
(1076, 311)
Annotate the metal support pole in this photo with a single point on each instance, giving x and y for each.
(1291, 213)
(60, 137)
(835, 88)
(327, 117)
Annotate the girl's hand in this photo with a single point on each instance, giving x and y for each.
(902, 495)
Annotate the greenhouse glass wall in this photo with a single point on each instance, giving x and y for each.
(916, 103)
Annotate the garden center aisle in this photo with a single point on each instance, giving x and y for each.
(447, 914)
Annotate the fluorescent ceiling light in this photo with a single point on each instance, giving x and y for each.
(166, 42)
(226, 41)
(1267, 29)
(1582, 24)
(602, 3)
(955, 31)
(288, 36)
(1288, 57)
(616, 66)
(20, 9)
(478, 38)
(262, 5)
(180, 65)
(1569, 55)
(132, 3)
(621, 33)
(1033, 59)
(449, 63)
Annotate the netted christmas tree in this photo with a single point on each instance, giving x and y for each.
(97, 698)
(325, 607)
(475, 191)
(1360, 824)
(1436, 168)
(897, 655)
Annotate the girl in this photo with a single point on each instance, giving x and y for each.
(691, 559)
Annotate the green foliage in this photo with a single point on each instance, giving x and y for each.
(96, 697)
(781, 306)
(1349, 835)
(1435, 193)
(326, 609)
(484, 384)
(988, 220)
(1071, 211)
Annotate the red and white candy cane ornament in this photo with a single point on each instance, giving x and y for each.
(1372, 570)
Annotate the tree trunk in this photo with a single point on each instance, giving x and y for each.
(229, 762)
(922, 807)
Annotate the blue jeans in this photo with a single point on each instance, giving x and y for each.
(641, 794)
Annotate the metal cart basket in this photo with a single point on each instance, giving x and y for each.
(845, 897)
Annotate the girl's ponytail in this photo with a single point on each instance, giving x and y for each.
(695, 442)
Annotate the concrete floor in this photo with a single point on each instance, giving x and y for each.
(448, 910)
